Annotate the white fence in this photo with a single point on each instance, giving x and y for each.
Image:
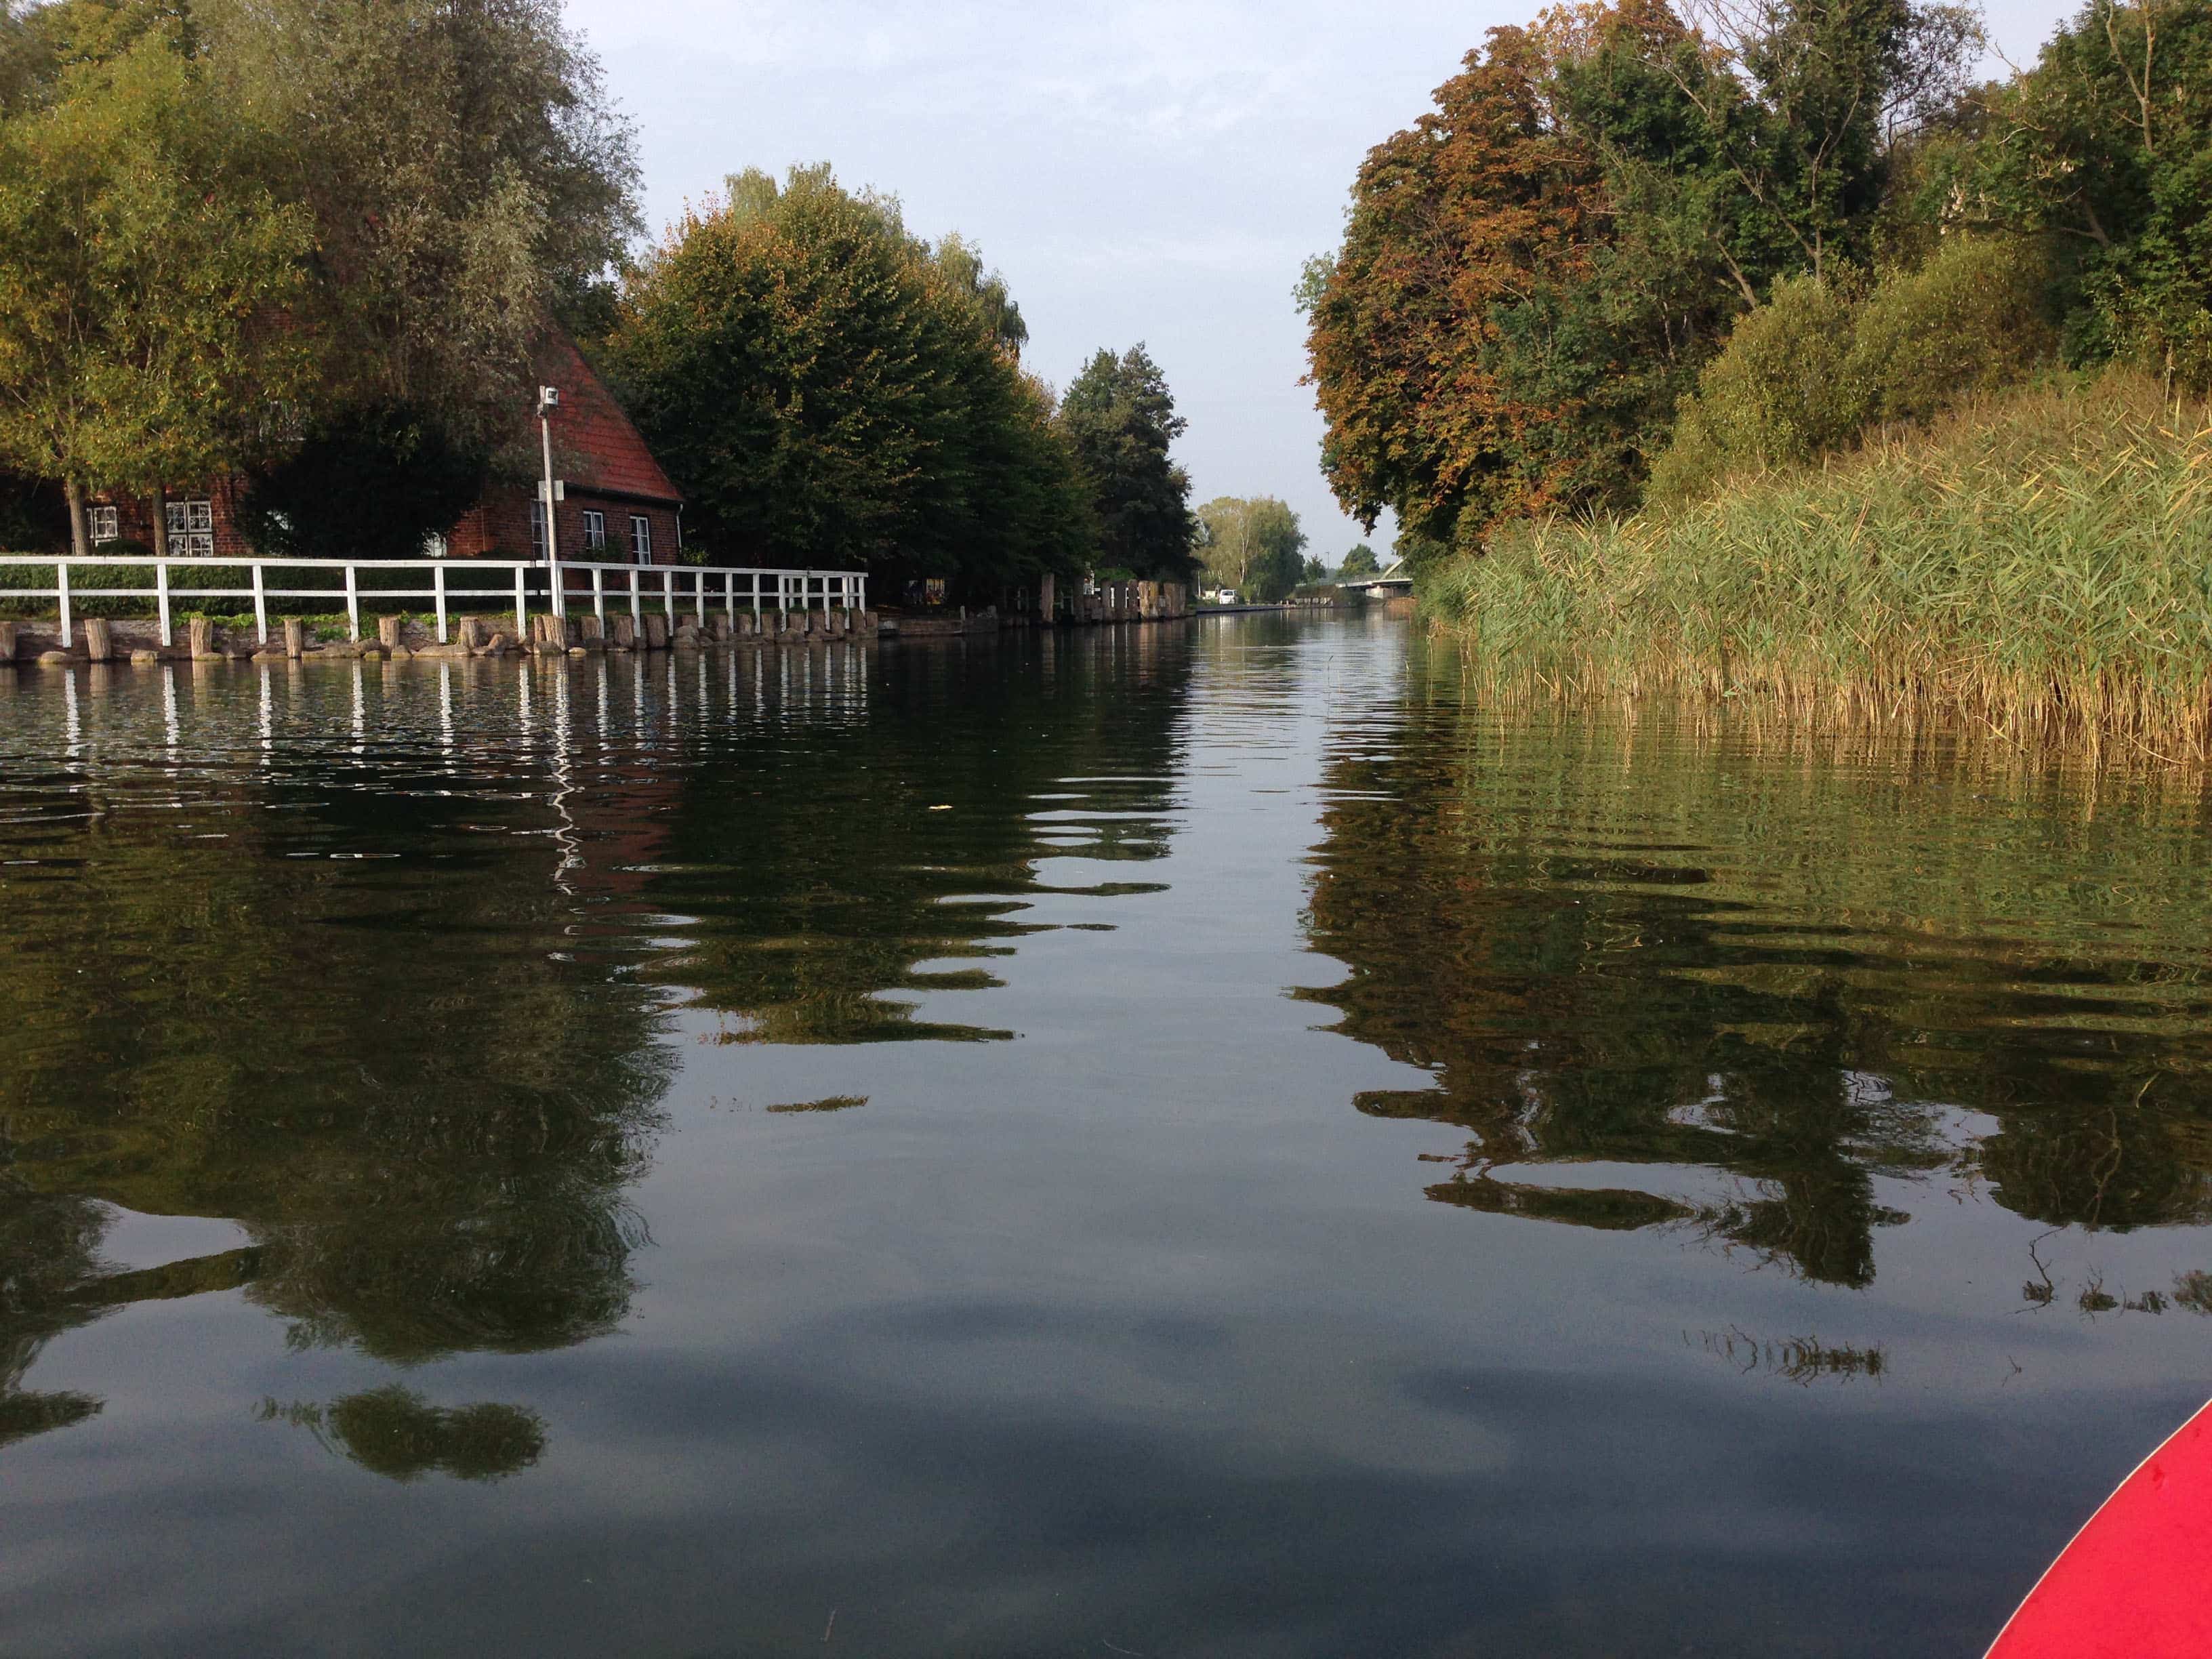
(455, 584)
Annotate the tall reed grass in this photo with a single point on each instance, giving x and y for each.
(2039, 562)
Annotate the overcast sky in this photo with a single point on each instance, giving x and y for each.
(1139, 170)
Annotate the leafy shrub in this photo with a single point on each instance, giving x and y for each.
(1972, 318)
(1779, 393)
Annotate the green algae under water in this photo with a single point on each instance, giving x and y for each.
(1186, 1140)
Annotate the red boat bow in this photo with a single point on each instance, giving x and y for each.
(2136, 1581)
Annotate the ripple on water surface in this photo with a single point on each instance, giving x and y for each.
(1171, 1140)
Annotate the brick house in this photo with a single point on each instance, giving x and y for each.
(617, 506)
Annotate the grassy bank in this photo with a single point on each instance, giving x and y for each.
(2038, 560)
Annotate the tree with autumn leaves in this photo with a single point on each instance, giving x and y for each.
(1534, 273)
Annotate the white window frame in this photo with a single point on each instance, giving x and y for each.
(191, 528)
(640, 538)
(595, 531)
(104, 523)
(537, 527)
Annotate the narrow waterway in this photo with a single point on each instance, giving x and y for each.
(1190, 1140)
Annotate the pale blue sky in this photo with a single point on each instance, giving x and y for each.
(1139, 170)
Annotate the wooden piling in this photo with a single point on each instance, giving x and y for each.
(199, 639)
(99, 640)
(295, 638)
(387, 632)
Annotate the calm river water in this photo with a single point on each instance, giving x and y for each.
(1172, 1141)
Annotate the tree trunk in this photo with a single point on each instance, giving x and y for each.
(160, 521)
(80, 540)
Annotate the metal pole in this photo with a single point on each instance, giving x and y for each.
(552, 540)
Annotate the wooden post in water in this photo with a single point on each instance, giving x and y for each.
(199, 638)
(7, 645)
(387, 632)
(99, 643)
(295, 638)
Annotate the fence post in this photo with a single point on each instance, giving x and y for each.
(438, 586)
(599, 593)
(668, 593)
(61, 591)
(699, 595)
(522, 605)
(161, 600)
(864, 590)
(353, 605)
(260, 606)
(636, 602)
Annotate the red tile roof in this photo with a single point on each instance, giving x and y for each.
(595, 445)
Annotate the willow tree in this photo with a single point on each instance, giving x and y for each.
(147, 272)
(466, 174)
(1255, 546)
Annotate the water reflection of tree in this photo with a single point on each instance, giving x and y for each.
(830, 882)
(395, 1432)
(426, 1140)
(422, 1075)
(1533, 914)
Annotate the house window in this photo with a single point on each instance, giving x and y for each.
(434, 546)
(104, 525)
(191, 529)
(595, 531)
(537, 527)
(640, 538)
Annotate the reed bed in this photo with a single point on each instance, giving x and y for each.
(2039, 562)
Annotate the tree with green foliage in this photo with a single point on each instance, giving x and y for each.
(147, 272)
(2105, 148)
(828, 388)
(1120, 418)
(331, 208)
(1360, 562)
(1255, 546)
